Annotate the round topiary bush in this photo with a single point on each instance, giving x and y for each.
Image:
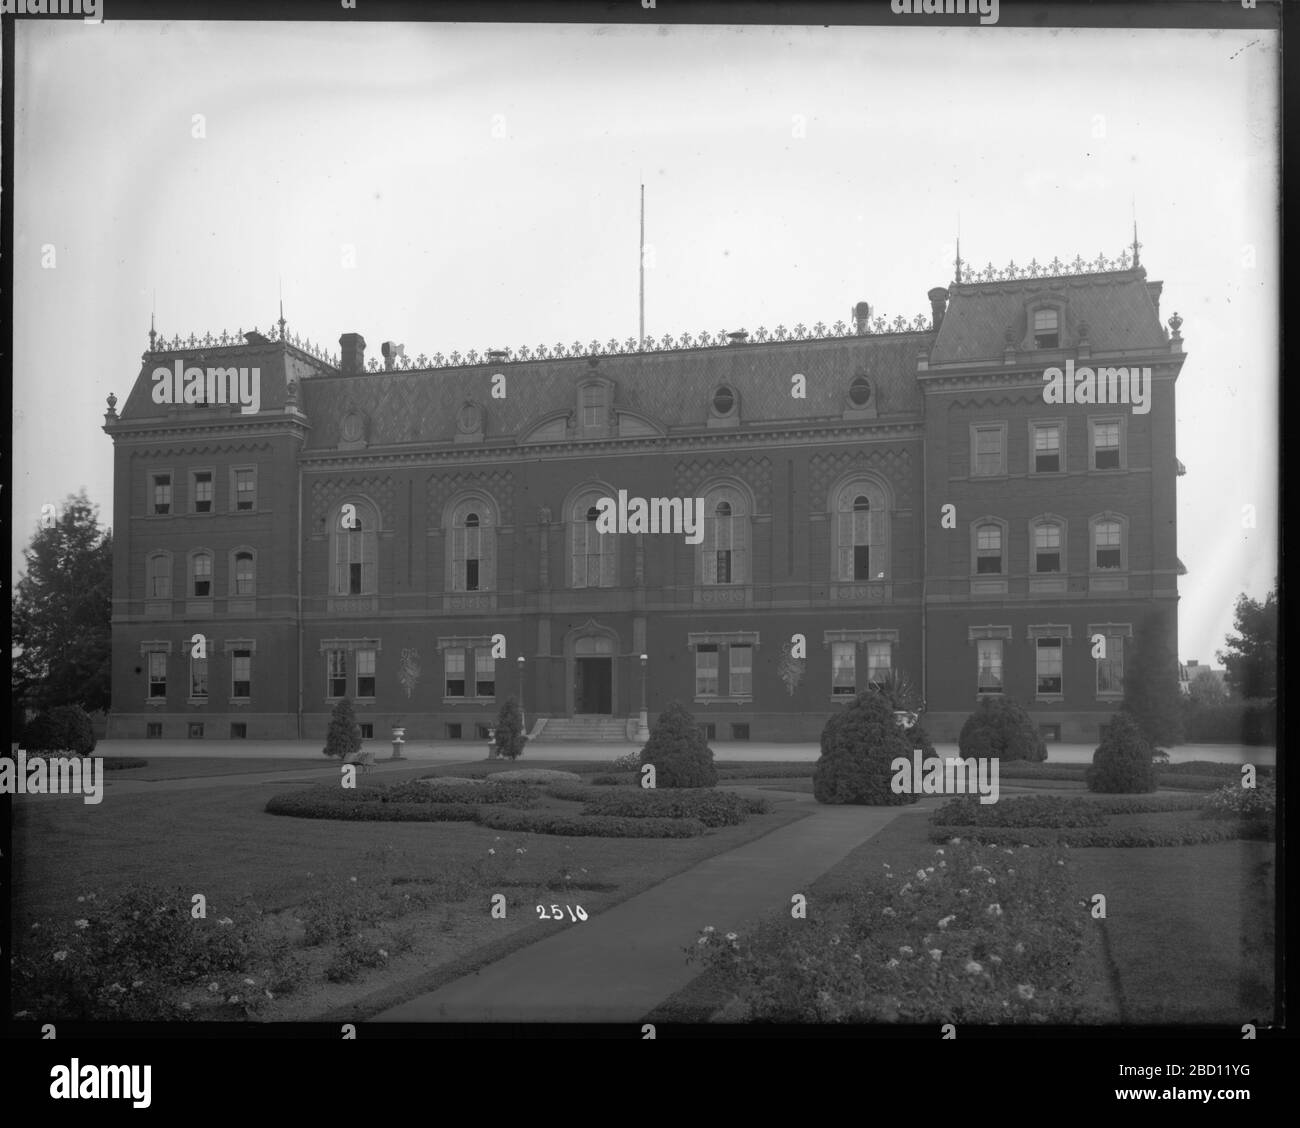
(63, 729)
(1122, 763)
(1001, 728)
(677, 749)
(858, 746)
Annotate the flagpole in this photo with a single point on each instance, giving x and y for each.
(641, 260)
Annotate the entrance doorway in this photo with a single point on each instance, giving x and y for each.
(593, 686)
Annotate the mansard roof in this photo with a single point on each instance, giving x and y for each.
(1118, 309)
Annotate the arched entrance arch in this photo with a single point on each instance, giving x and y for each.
(590, 670)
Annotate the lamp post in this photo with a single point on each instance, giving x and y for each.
(642, 728)
(522, 723)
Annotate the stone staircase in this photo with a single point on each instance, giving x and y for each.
(583, 730)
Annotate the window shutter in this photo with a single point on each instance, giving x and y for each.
(487, 569)
(370, 553)
(577, 552)
(457, 559)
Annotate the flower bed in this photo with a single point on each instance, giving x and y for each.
(1163, 832)
(982, 935)
(712, 808)
(1029, 810)
(547, 822)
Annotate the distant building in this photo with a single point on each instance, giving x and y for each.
(1191, 669)
(894, 495)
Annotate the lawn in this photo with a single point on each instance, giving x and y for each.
(192, 767)
(220, 842)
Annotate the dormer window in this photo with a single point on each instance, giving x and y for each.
(724, 400)
(1047, 329)
(860, 392)
(592, 402)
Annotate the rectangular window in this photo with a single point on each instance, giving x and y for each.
(1050, 733)
(724, 566)
(162, 493)
(740, 663)
(157, 674)
(238, 730)
(243, 574)
(453, 731)
(365, 673)
(591, 405)
(485, 673)
(471, 575)
(862, 562)
(990, 665)
(1047, 331)
(1110, 669)
(202, 576)
(202, 480)
(153, 730)
(1107, 543)
(336, 673)
(844, 663)
(1105, 446)
(1047, 548)
(354, 579)
(241, 673)
(879, 662)
(988, 549)
(1049, 666)
(709, 729)
(739, 732)
(1047, 448)
(482, 732)
(196, 730)
(198, 679)
(988, 451)
(368, 731)
(160, 577)
(706, 670)
(454, 661)
(245, 490)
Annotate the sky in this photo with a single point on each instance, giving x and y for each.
(457, 187)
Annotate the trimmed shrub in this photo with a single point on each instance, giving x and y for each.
(629, 763)
(1122, 763)
(1252, 804)
(344, 735)
(712, 808)
(610, 779)
(65, 729)
(1028, 810)
(536, 775)
(546, 822)
(858, 745)
(1212, 768)
(122, 763)
(431, 791)
(765, 771)
(332, 803)
(1001, 728)
(677, 749)
(574, 792)
(1184, 831)
(509, 733)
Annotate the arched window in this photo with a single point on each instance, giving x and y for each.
(593, 554)
(201, 575)
(724, 552)
(244, 575)
(473, 534)
(354, 537)
(159, 581)
(861, 525)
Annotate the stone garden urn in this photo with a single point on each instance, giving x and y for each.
(399, 738)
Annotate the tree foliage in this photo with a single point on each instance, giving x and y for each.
(509, 732)
(61, 611)
(1251, 657)
(858, 747)
(1151, 693)
(344, 735)
(677, 749)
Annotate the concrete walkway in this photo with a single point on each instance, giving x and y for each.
(619, 965)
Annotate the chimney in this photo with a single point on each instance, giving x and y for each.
(352, 354)
(390, 350)
(938, 304)
(861, 318)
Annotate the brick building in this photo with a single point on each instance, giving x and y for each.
(900, 494)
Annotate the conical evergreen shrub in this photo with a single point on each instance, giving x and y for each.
(1122, 763)
(677, 749)
(859, 744)
(344, 734)
(1001, 728)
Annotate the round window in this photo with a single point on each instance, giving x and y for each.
(860, 391)
(724, 399)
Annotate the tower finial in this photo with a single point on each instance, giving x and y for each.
(1136, 246)
(957, 262)
(153, 335)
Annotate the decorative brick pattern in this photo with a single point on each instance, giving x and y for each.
(755, 472)
(500, 484)
(326, 493)
(895, 463)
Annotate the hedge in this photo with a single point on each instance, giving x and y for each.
(767, 771)
(614, 779)
(1027, 811)
(1234, 722)
(574, 792)
(122, 763)
(546, 822)
(712, 808)
(1210, 768)
(427, 791)
(322, 803)
(1171, 832)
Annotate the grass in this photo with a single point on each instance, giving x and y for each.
(193, 767)
(219, 841)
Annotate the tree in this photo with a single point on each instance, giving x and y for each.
(677, 749)
(1122, 763)
(1251, 656)
(1206, 689)
(1151, 694)
(344, 735)
(509, 732)
(61, 611)
(1000, 728)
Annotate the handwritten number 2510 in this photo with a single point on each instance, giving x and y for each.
(556, 914)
